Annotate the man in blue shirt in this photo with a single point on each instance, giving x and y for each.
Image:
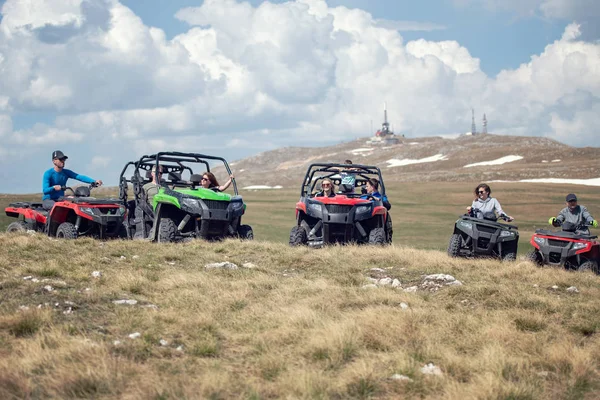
(55, 178)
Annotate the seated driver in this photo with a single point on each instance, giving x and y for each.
(485, 203)
(575, 214)
(151, 188)
(373, 191)
(55, 178)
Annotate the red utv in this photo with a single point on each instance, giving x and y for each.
(573, 248)
(71, 217)
(348, 217)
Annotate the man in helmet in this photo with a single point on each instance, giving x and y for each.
(56, 177)
(578, 215)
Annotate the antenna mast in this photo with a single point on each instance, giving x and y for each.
(484, 123)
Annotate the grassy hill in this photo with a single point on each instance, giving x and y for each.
(295, 323)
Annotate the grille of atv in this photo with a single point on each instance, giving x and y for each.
(216, 205)
(558, 243)
(483, 243)
(487, 229)
(554, 257)
(337, 209)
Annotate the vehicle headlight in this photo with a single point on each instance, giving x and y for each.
(539, 240)
(87, 210)
(579, 246)
(315, 208)
(190, 204)
(363, 209)
(507, 234)
(237, 205)
(466, 225)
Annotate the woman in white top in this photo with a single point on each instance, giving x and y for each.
(484, 203)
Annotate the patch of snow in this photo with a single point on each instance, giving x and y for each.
(163, 342)
(360, 150)
(404, 306)
(96, 274)
(558, 160)
(544, 161)
(572, 289)
(398, 163)
(261, 187)
(241, 170)
(48, 288)
(135, 335)
(413, 143)
(499, 161)
(586, 182)
(452, 136)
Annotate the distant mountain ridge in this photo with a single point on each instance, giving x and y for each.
(483, 157)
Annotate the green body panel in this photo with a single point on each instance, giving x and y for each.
(201, 193)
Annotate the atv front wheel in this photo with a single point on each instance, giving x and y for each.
(298, 236)
(66, 230)
(377, 236)
(17, 226)
(454, 245)
(535, 257)
(589, 266)
(509, 253)
(245, 232)
(167, 230)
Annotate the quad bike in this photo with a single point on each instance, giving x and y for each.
(347, 217)
(483, 237)
(182, 208)
(572, 248)
(71, 216)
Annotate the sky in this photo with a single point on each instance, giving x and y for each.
(107, 81)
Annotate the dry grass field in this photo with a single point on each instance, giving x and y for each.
(299, 324)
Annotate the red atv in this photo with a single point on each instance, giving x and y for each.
(345, 217)
(570, 248)
(70, 217)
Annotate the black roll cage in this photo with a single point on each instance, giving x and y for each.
(359, 170)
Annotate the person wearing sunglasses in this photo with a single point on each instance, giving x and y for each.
(56, 178)
(209, 181)
(485, 203)
(576, 214)
(327, 189)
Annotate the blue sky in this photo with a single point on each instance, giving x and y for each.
(107, 80)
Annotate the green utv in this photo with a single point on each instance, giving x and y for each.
(181, 208)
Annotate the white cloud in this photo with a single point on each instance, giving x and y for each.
(245, 78)
(406, 26)
(100, 162)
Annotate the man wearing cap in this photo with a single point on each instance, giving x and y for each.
(55, 178)
(575, 214)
